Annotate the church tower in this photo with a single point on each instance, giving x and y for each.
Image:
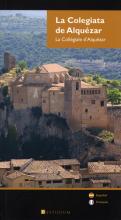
(72, 103)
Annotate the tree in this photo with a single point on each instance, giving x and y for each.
(97, 78)
(115, 83)
(22, 65)
(114, 96)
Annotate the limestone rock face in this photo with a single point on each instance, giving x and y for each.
(81, 145)
(87, 148)
(3, 116)
(27, 122)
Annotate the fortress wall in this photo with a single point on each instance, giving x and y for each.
(72, 104)
(93, 114)
(114, 112)
(114, 123)
(56, 102)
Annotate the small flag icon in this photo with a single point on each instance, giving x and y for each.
(43, 212)
(91, 195)
(91, 202)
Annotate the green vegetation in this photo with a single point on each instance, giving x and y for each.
(116, 83)
(104, 134)
(99, 79)
(113, 87)
(22, 65)
(114, 96)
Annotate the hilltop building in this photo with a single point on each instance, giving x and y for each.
(52, 88)
(9, 61)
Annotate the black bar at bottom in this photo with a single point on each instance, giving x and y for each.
(61, 204)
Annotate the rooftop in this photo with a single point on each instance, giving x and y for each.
(43, 167)
(5, 165)
(48, 176)
(54, 88)
(104, 167)
(15, 175)
(64, 162)
(87, 85)
(53, 68)
(42, 170)
(20, 162)
(50, 167)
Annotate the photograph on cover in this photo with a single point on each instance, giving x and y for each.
(60, 109)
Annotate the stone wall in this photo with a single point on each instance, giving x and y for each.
(56, 99)
(19, 96)
(94, 109)
(113, 113)
(84, 107)
(72, 103)
(114, 122)
(36, 78)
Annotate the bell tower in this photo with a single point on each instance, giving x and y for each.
(72, 103)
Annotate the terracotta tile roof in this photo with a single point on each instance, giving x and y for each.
(19, 162)
(55, 88)
(76, 174)
(44, 176)
(42, 170)
(48, 167)
(87, 85)
(58, 84)
(15, 175)
(54, 68)
(66, 174)
(5, 165)
(43, 167)
(63, 162)
(48, 176)
(101, 167)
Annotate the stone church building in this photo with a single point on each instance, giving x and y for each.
(52, 88)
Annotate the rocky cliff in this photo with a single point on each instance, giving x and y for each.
(30, 133)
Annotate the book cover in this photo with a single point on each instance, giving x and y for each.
(60, 110)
